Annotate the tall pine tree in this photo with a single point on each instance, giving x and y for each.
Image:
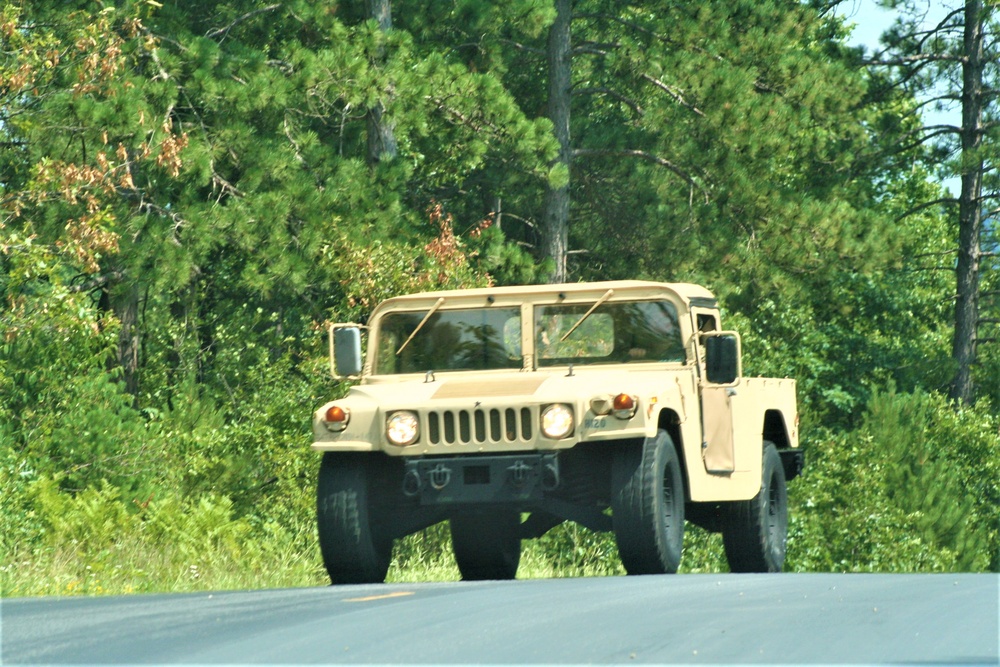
(952, 63)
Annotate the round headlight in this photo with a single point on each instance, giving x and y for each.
(557, 421)
(402, 428)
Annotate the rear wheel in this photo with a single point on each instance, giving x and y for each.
(354, 547)
(487, 544)
(756, 530)
(647, 505)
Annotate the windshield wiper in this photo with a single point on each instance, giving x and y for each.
(437, 304)
(607, 295)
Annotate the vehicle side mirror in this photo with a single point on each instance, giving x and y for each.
(722, 357)
(345, 348)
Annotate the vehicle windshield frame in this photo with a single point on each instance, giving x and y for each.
(523, 344)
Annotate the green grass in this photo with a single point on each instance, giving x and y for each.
(131, 557)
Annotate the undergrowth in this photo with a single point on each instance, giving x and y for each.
(913, 489)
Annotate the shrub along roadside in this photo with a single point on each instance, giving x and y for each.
(914, 489)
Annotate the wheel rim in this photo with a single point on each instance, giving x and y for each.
(774, 518)
(772, 509)
(669, 517)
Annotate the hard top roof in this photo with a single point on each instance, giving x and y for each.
(688, 292)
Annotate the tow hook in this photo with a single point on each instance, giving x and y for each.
(519, 472)
(440, 476)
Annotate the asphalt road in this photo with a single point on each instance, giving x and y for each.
(692, 619)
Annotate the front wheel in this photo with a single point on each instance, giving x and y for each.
(647, 505)
(354, 547)
(755, 531)
(487, 544)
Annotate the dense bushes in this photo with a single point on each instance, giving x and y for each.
(915, 488)
(180, 215)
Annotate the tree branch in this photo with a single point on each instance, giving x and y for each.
(940, 129)
(595, 48)
(909, 60)
(589, 50)
(221, 32)
(673, 93)
(927, 204)
(930, 32)
(522, 47)
(97, 282)
(924, 139)
(643, 155)
(610, 93)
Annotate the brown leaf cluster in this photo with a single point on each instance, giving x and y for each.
(89, 241)
(445, 247)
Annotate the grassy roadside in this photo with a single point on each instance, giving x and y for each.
(123, 564)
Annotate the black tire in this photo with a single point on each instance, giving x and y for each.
(354, 549)
(487, 544)
(647, 505)
(755, 531)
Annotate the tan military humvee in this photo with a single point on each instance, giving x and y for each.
(558, 402)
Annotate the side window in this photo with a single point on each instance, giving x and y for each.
(707, 322)
(648, 331)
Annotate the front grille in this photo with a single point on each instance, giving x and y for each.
(480, 426)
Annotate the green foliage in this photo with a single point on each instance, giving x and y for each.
(852, 330)
(62, 410)
(186, 200)
(914, 489)
(95, 542)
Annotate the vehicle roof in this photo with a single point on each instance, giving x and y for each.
(686, 292)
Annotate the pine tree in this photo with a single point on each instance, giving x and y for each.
(555, 220)
(381, 136)
(953, 64)
(922, 477)
(219, 155)
(696, 135)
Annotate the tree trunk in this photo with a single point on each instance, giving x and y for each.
(555, 223)
(122, 299)
(970, 205)
(382, 145)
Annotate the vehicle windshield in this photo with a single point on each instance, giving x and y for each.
(472, 339)
(634, 331)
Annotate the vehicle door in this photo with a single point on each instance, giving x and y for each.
(723, 408)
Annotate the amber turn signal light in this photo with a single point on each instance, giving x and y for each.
(623, 406)
(336, 418)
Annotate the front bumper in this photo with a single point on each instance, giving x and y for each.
(793, 461)
(504, 478)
